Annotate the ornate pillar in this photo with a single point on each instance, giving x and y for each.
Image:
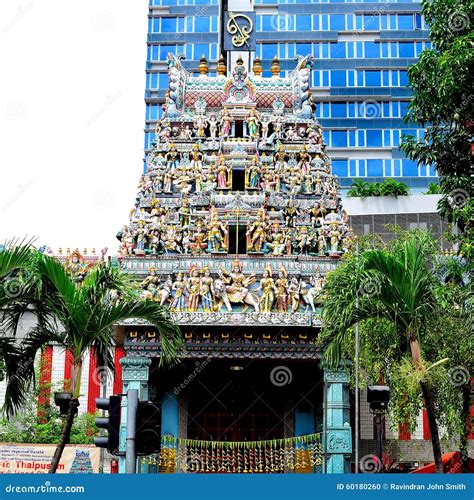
(337, 439)
(169, 427)
(134, 376)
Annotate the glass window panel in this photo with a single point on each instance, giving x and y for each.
(168, 25)
(338, 110)
(315, 22)
(304, 49)
(350, 78)
(372, 78)
(163, 81)
(156, 25)
(339, 167)
(267, 24)
(361, 138)
(201, 49)
(406, 49)
(303, 23)
(410, 168)
(405, 21)
(403, 78)
(374, 138)
(384, 49)
(372, 50)
(375, 168)
(269, 50)
(202, 24)
(338, 50)
(337, 22)
(339, 139)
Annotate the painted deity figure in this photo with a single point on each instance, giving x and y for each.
(322, 243)
(256, 234)
(193, 287)
(76, 266)
(232, 288)
(303, 240)
(197, 239)
(213, 124)
(253, 172)
(267, 287)
(253, 124)
(125, 236)
(226, 123)
(200, 124)
(222, 174)
(172, 157)
(265, 122)
(291, 213)
(217, 236)
(304, 164)
(196, 158)
(281, 290)
(207, 290)
(294, 294)
(178, 292)
(335, 237)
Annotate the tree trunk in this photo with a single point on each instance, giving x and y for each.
(429, 403)
(73, 405)
(435, 443)
(465, 418)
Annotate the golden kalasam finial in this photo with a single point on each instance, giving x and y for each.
(221, 67)
(257, 67)
(203, 68)
(275, 68)
(240, 61)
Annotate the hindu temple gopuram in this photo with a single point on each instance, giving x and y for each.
(236, 222)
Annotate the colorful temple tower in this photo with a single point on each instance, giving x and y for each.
(237, 220)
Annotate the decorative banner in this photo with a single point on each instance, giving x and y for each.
(239, 31)
(296, 454)
(36, 459)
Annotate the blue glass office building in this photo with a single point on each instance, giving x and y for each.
(362, 51)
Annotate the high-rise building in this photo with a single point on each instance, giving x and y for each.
(362, 50)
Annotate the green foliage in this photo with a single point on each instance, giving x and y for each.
(401, 291)
(433, 188)
(389, 187)
(43, 424)
(443, 102)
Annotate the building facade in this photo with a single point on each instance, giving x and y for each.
(362, 50)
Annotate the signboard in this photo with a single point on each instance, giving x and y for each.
(36, 459)
(239, 31)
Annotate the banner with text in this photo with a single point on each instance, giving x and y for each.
(36, 459)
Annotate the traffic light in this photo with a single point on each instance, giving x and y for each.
(110, 423)
(148, 432)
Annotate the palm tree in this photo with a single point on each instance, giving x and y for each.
(359, 189)
(393, 285)
(82, 317)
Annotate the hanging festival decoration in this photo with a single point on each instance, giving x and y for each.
(295, 454)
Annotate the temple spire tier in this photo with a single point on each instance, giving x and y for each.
(238, 167)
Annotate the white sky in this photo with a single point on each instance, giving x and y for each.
(72, 81)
